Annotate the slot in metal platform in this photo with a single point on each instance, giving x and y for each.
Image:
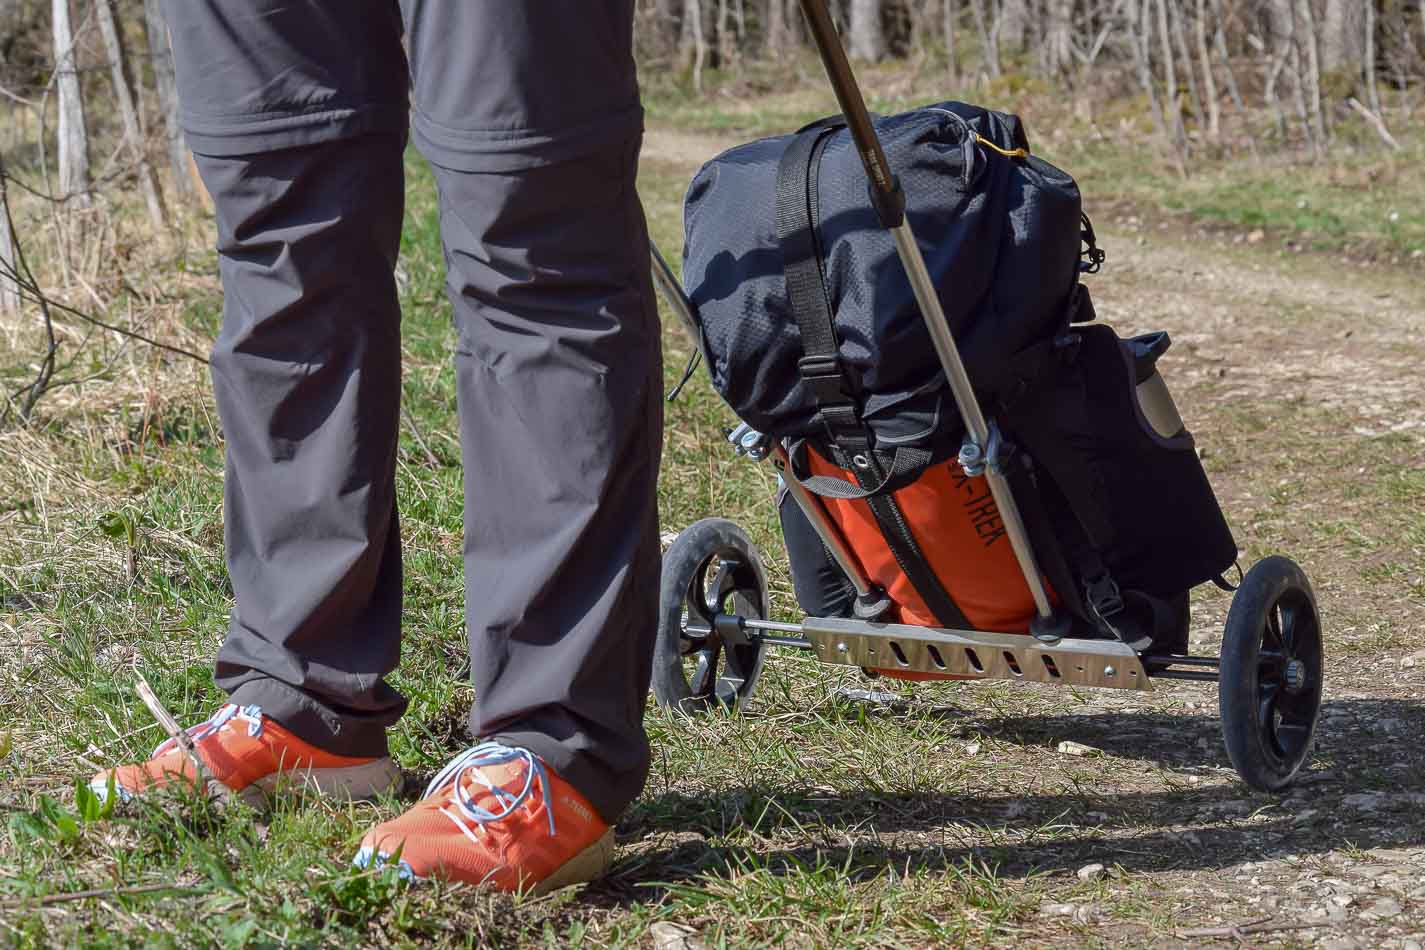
(903, 647)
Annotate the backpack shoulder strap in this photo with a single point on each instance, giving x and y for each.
(807, 294)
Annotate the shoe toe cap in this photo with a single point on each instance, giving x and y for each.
(100, 786)
(370, 857)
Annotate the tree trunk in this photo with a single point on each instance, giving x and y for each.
(1170, 81)
(694, 46)
(776, 28)
(1313, 71)
(1180, 42)
(988, 46)
(124, 95)
(1214, 112)
(1369, 28)
(868, 41)
(1233, 90)
(1058, 36)
(73, 137)
(1298, 86)
(166, 85)
(952, 56)
(726, 42)
(1342, 36)
(9, 289)
(1014, 24)
(1140, 26)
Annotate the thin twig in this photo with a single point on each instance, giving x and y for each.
(1243, 931)
(97, 892)
(416, 433)
(15, 97)
(28, 285)
(185, 742)
(12, 271)
(1375, 121)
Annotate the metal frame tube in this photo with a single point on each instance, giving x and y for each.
(886, 193)
(826, 529)
(676, 296)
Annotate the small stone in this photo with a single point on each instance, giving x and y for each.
(1383, 909)
(1256, 237)
(1068, 747)
(1414, 660)
(1058, 910)
(1364, 801)
(1091, 872)
(972, 749)
(1412, 945)
(671, 936)
(1339, 943)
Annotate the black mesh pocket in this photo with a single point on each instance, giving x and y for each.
(1142, 497)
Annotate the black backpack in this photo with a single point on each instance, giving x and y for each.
(812, 333)
(1000, 231)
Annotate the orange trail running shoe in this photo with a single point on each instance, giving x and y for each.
(254, 756)
(496, 815)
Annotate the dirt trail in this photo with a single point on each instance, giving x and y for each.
(1301, 377)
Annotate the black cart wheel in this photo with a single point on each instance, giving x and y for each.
(711, 568)
(1270, 689)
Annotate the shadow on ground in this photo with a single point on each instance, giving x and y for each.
(1182, 828)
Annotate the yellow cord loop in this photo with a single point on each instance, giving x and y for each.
(1006, 152)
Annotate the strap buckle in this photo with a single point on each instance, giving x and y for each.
(823, 373)
(1103, 595)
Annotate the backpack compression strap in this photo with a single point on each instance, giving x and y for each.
(820, 368)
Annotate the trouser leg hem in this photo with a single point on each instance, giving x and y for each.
(312, 721)
(609, 796)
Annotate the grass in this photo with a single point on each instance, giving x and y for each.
(943, 817)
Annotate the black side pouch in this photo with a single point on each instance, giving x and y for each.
(822, 589)
(1106, 432)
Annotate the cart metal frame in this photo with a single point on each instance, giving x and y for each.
(1270, 670)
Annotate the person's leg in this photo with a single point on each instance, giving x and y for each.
(530, 118)
(558, 379)
(296, 113)
(306, 373)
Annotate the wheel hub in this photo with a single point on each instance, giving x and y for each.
(1294, 676)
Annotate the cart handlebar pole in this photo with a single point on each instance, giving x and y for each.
(889, 201)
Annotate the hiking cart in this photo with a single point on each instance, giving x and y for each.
(714, 624)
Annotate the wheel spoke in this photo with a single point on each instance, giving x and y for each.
(1267, 697)
(1298, 708)
(1291, 621)
(723, 583)
(1291, 737)
(728, 687)
(1274, 628)
(704, 676)
(1272, 661)
(697, 600)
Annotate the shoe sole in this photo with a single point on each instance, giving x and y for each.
(587, 865)
(351, 783)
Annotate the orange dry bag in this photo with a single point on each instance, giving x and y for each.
(956, 525)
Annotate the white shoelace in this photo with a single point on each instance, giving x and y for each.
(252, 715)
(471, 762)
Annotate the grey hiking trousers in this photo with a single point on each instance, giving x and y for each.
(528, 112)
